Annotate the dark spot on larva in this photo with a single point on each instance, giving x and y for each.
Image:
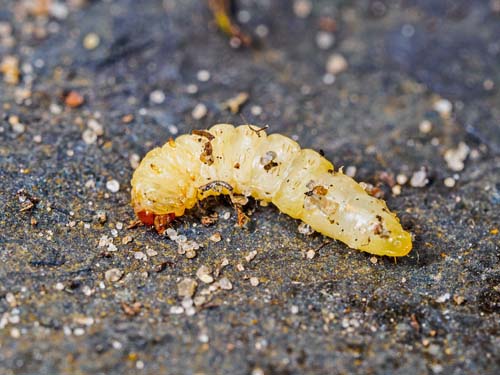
(268, 160)
(357, 199)
(330, 171)
(207, 154)
(271, 165)
(236, 165)
(155, 168)
(321, 152)
(216, 186)
(320, 190)
(204, 133)
(379, 218)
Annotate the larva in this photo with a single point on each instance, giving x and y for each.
(245, 160)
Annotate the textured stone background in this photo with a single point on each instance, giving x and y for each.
(435, 311)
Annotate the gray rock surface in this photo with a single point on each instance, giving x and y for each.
(82, 294)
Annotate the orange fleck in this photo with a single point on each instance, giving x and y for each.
(128, 118)
(74, 99)
(494, 231)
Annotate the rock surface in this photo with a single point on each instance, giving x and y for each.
(138, 69)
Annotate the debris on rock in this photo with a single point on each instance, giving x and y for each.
(113, 275)
(187, 287)
(204, 274)
(419, 178)
(455, 157)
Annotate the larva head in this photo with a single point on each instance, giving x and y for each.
(160, 222)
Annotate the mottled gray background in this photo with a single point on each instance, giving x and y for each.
(434, 311)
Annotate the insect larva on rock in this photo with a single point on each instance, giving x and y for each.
(245, 160)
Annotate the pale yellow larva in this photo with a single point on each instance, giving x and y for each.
(245, 160)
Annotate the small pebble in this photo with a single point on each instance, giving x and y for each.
(488, 84)
(112, 275)
(254, 281)
(11, 299)
(203, 274)
(134, 160)
(443, 107)
(401, 179)
(262, 31)
(455, 157)
(127, 239)
(240, 267)
(203, 75)
(15, 333)
(199, 111)
(324, 39)
(256, 110)
(351, 171)
(302, 8)
(328, 79)
(216, 237)
(336, 64)
(396, 189)
(10, 69)
(449, 182)
(113, 186)
(192, 88)
(419, 178)
(203, 337)
(251, 255)
(294, 309)
(425, 127)
(305, 229)
(310, 254)
(443, 298)
(176, 310)
(101, 216)
(258, 371)
(458, 299)
(151, 252)
(374, 260)
(186, 287)
(225, 284)
(173, 129)
(139, 255)
(91, 41)
(95, 126)
(157, 96)
(18, 128)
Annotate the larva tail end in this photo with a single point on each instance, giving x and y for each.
(400, 245)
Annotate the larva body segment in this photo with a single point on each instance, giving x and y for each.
(244, 160)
